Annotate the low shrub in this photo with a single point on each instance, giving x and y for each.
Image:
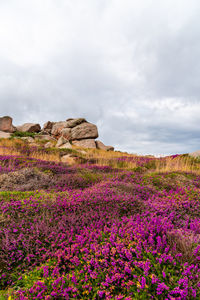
(23, 134)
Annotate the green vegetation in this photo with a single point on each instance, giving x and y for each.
(23, 134)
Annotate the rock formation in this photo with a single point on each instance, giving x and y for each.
(87, 143)
(29, 127)
(76, 132)
(101, 146)
(84, 131)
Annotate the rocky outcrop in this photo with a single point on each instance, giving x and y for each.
(64, 127)
(84, 131)
(29, 127)
(77, 131)
(47, 127)
(101, 146)
(87, 143)
(6, 124)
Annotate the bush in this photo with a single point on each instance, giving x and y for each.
(22, 134)
(25, 179)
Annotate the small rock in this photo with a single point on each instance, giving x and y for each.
(66, 146)
(68, 159)
(4, 135)
(29, 127)
(28, 139)
(48, 145)
(87, 143)
(61, 141)
(101, 146)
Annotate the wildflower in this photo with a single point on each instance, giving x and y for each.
(100, 293)
(161, 287)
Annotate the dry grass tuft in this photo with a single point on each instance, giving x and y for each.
(20, 147)
(177, 164)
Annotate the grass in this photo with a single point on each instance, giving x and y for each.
(181, 163)
(114, 159)
(23, 134)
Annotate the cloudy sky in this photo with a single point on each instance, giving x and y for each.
(130, 66)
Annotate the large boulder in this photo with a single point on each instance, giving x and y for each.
(66, 133)
(84, 131)
(6, 124)
(74, 122)
(29, 127)
(87, 143)
(101, 146)
(4, 135)
(47, 127)
(57, 128)
(61, 141)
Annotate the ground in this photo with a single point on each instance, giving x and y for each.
(109, 226)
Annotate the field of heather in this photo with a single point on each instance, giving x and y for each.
(110, 226)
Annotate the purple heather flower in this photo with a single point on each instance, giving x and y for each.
(161, 287)
(101, 293)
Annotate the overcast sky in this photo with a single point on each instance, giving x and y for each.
(130, 66)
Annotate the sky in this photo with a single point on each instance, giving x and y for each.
(132, 67)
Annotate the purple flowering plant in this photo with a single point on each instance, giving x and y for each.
(94, 232)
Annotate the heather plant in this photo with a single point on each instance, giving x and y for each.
(98, 232)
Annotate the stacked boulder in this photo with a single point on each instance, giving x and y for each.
(76, 132)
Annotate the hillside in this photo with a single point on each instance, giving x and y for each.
(93, 224)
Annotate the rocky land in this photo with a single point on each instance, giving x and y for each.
(107, 225)
(77, 132)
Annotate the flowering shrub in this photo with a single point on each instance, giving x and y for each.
(100, 233)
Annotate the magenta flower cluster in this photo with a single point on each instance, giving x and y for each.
(125, 235)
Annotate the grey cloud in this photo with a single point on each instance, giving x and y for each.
(132, 69)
